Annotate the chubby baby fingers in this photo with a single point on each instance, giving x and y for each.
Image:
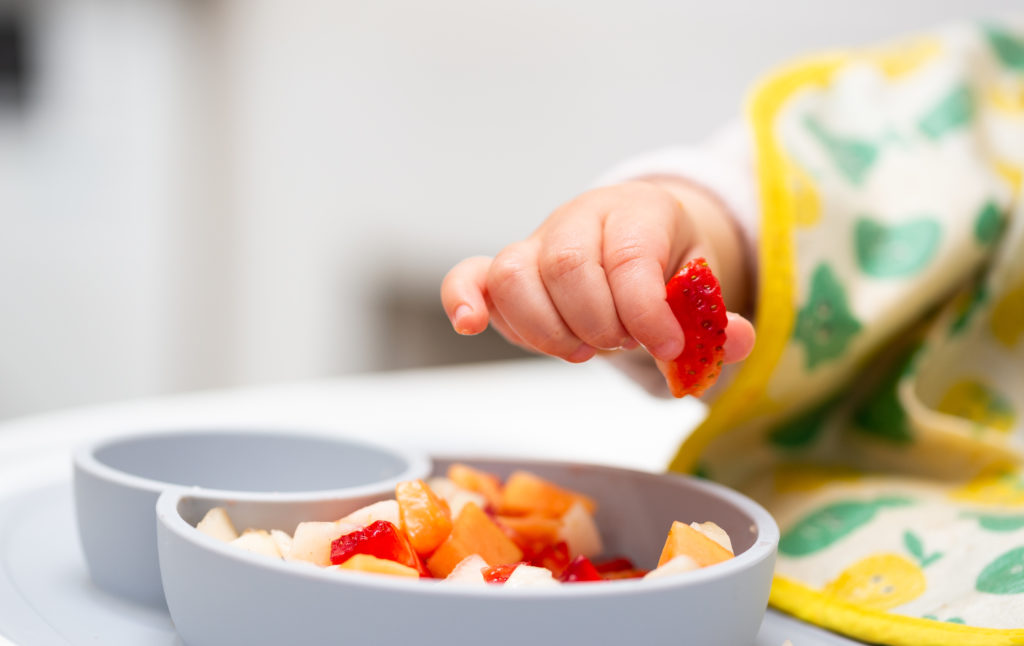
(463, 295)
(578, 287)
(517, 291)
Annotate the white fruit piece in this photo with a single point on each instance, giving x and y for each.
(470, 570)
(677, 565)
(455, 496)
(257, 541)
(383, 510)
(580, 532)
(283, 541)
(715, 533)
(312, 541)
(217, 523)
(529, 576)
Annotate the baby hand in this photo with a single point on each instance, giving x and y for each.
(592, 276)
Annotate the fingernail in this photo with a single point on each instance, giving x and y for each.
(668, 350)
(459, 318)
(581, 354)
(630, 344)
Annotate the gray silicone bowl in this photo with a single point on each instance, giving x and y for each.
(117, 482)
(218, 594)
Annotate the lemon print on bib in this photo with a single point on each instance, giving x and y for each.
(879, 582)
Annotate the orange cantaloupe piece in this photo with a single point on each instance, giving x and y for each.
(526, 493)
(683, 539)
(486, 484)
(533, 528)
(370, 563)
(425, 517)
(473, 532)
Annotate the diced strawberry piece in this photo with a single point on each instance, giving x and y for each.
(615, 575)
(696, 300)
(579, 570)
(381, 539)
(553, 557)
(499, 573)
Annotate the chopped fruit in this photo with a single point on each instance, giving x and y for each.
(455, 495)
(715, 533)
(614, 565)
(426, 519)
(579, 570)
(685, 540)
(469, 570)
(383, 510)
(369, 563)
(529, 576)
(675, 565)
(217, 524)
(526, 493)
(619, 568)
(282, 540)
(257, 541)
(499, 573)
(624, 574)
(473, 532)
(483, 483)
(528, 531)
(312, 541)
(553, 557)
(381, 539)
(534, 533)
(696, 300)
(580, 531)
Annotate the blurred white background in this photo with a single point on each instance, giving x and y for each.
(209, 193)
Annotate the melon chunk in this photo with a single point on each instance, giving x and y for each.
(486, 484)
(526, 493)
(685, 540)
(473, 532)
(715, 533)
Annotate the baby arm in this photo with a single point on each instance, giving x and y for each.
(592, 276)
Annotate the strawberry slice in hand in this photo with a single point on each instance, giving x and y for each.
(696, 300)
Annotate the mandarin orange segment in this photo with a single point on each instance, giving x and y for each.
(526, 493)
(486, 484)
(425, 517)
(685, 540)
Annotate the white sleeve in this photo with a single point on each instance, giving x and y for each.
(724, 166)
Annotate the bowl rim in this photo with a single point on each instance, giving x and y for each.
(417, 464)
(764, 547)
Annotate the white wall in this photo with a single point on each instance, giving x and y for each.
(214, 193)
(87, 198)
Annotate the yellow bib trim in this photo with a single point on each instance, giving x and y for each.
(776, 312)
(876, 626)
